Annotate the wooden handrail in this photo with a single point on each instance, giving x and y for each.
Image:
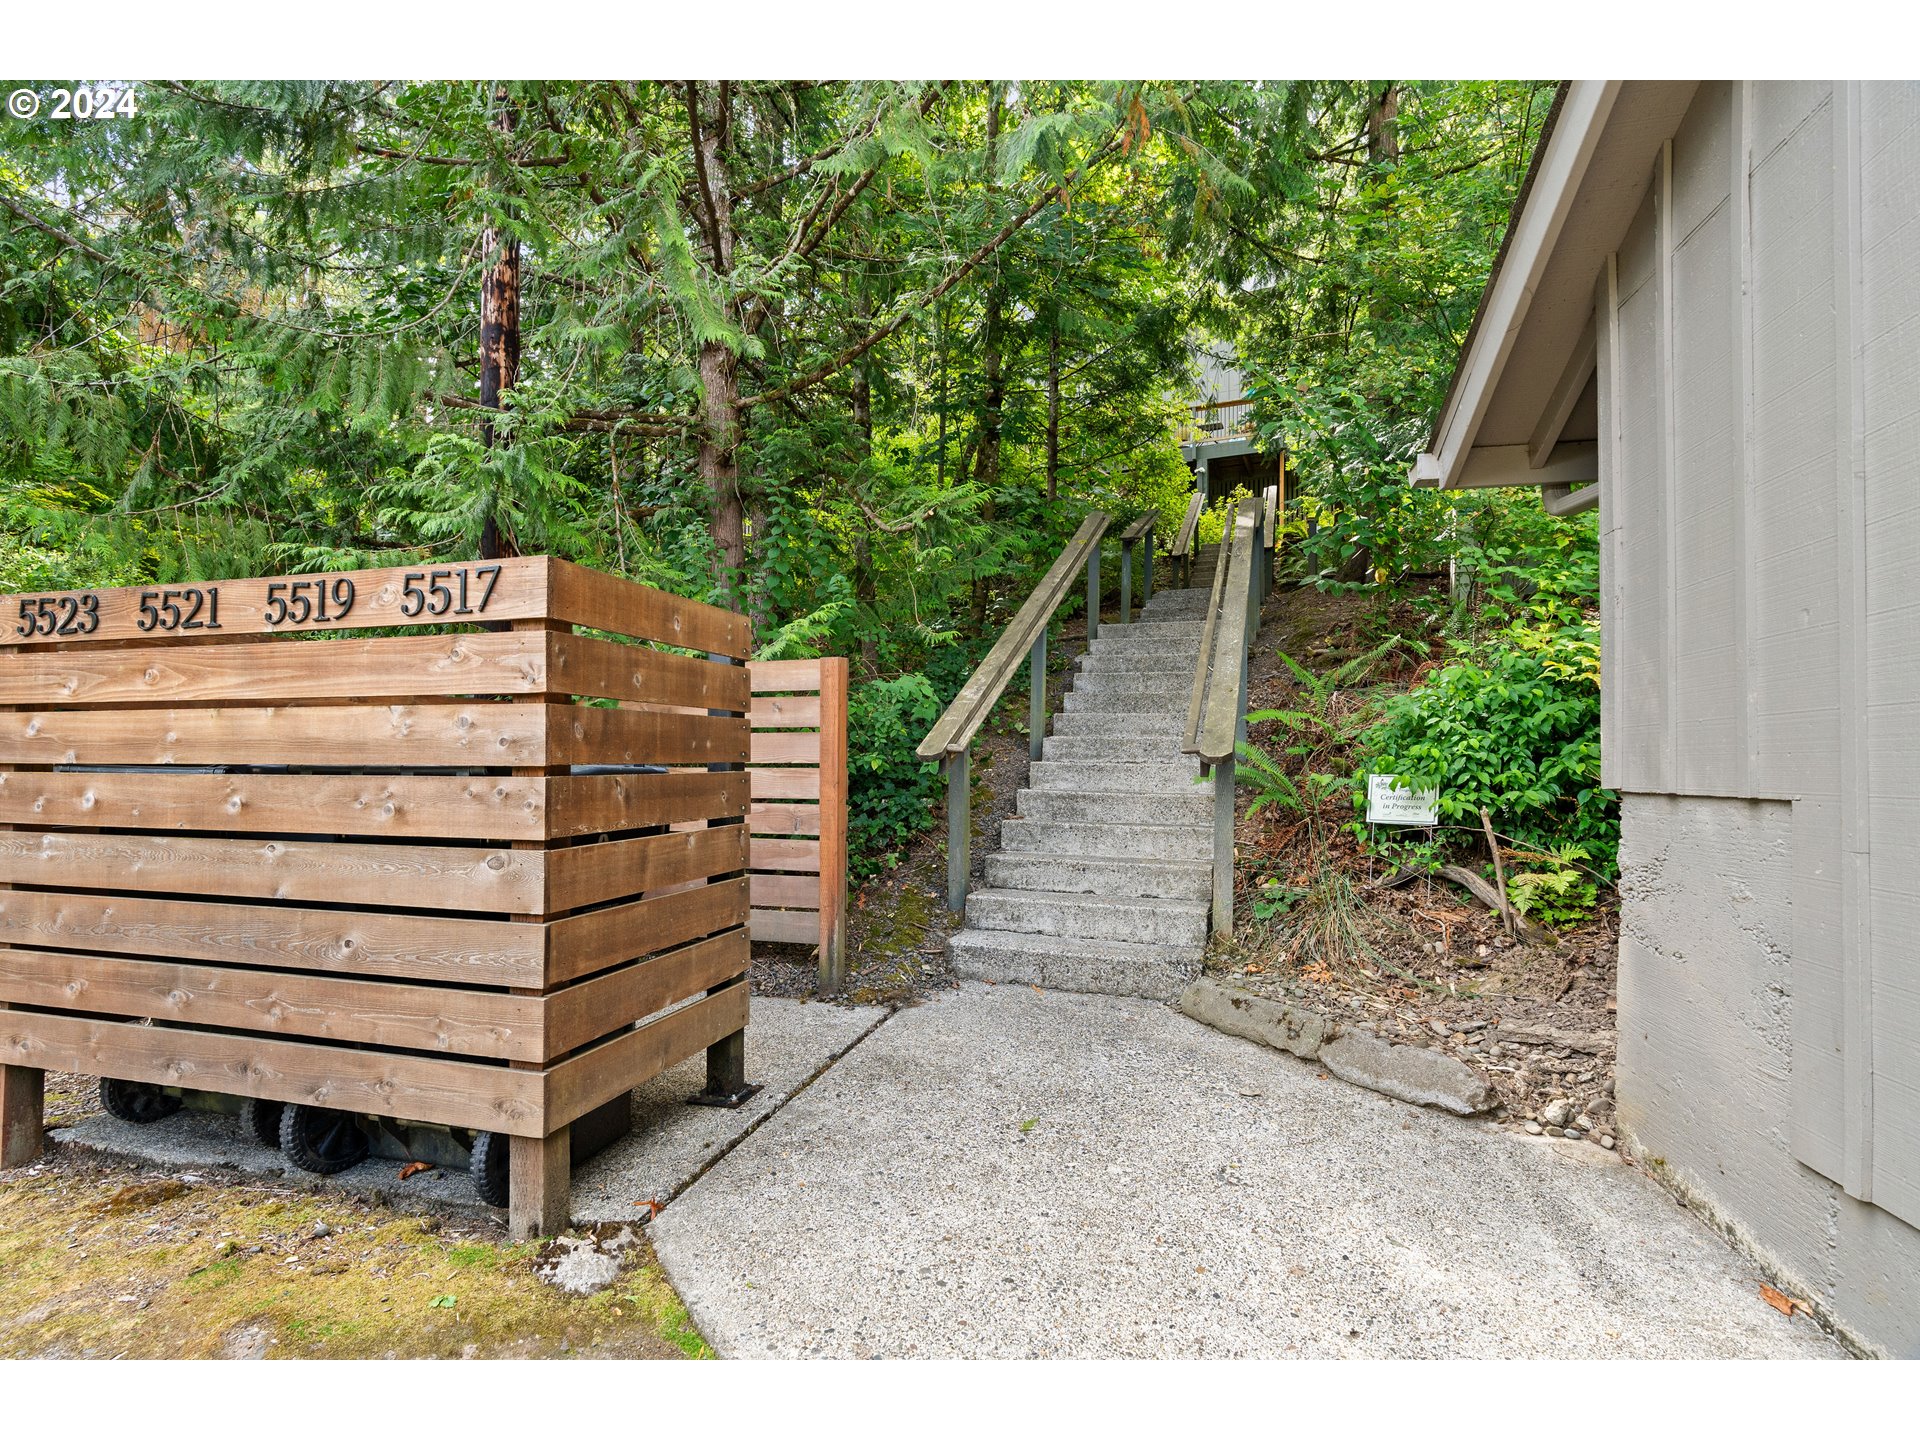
(953, 732)
(1215, 734)
(1203, 667)
(1142, 526)
(1183, 541)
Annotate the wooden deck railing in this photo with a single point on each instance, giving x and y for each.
(798, 773)
(1217, 701)
(1220, 420)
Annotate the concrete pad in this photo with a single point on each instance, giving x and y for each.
(1002, 1173)
(788, 1042)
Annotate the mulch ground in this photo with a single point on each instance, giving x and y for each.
(1430, 965)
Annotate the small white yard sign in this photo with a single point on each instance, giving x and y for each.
(1391, 803)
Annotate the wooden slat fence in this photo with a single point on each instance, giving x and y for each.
(798, 772)
(441, 876)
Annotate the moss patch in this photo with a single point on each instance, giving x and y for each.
(99, 1260)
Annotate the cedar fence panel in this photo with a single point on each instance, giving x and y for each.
(247, 846)
(798, 776)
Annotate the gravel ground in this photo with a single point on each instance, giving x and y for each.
(999, 1172)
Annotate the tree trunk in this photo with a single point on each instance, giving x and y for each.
(709, 113)
(499, 333)
(1053, 410)
(864, 591)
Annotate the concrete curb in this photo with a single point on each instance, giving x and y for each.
(1403, 1072)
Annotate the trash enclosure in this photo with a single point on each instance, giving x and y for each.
(420, 843)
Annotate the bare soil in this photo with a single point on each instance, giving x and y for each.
(1430, 965)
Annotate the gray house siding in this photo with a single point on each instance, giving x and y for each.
(1757, 335)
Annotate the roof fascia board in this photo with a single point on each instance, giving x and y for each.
(1570, 150)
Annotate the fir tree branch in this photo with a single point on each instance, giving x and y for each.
(70, 241)
(972, 263)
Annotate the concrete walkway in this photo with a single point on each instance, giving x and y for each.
(1005, 1173)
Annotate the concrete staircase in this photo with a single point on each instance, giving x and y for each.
(1102, 881)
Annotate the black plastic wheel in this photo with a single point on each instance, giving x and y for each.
(324, 1142)
(488, 1167)
(136, 1102)
(260, 1120)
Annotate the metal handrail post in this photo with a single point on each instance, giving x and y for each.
(1093, 593)
(1126, 582)
(1223, 848)
(959, 830)
(1037, 699)
(1146, 576)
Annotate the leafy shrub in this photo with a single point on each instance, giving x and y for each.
(1514, 734)
(890, 791)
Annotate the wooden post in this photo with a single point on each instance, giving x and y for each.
(959, 832)
(1146, 575)
(1093, 594)
(1126, 582)
(1223, 848)
(539, 1178)
(833, 823)
(22, 1114)
(1037, 696)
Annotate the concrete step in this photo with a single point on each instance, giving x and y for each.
(1111, 841)
(1173, 777)
(1053, 962)
(1170, 701)
(1111, 747)
(1145, 660)
(1152, 684)
(1095, 875)
(1168, 724)
(1096, 807)
(1090, 917)
(1160, 631)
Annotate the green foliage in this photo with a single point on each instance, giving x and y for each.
(1557, 888)
(1314, 732)
(1505, 734)
(890, 792)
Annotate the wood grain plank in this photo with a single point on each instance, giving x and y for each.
(476, 1023)
(793, 712)
(508, 663)
(582, 875)
(766, 853)
(607, 602)
(583, 1013)
(780, 676)
(415, 1087)
(446, 949)
(785, 784)
(380, 601)
(474, 733)
(490, 807)
(595, 735)
(832, 859)
(784, 819)
(414, 876)
(600, 939)
(576, 1085)
(785, 927)
(785, 891)
(597, 804)
(606, 669)
(785, 747)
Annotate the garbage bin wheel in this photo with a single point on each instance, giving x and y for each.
(324, 1142)
(260, 1120)
(136, 1102)
(488, 1167)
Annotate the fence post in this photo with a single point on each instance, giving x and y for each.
(1093, 593)
(1037, 695)
(1146, 575)
(833, 823)
(1126, 582)
(959, 831)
